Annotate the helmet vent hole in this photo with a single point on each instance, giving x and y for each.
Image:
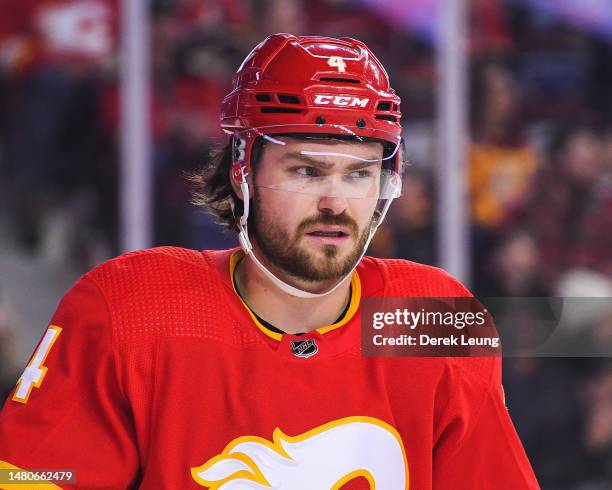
(341, 80)
(280, 110)
(383, 106)
(387, 118)
(263, 98)
(288, 99)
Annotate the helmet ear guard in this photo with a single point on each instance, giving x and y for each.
(240, 158)
(238, 170)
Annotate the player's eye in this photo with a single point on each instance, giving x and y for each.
(360, 174)
(306, 171)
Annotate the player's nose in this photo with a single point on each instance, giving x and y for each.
(332, 204)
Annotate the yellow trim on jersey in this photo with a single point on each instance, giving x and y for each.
(353, 305)
(20, 485)
(352, 309)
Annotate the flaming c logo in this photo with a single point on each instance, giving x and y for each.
(326, 457)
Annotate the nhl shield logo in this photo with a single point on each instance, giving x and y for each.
(304, 348)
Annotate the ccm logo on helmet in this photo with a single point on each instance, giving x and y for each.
(340, 100)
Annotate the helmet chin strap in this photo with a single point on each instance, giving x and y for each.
(245, 243)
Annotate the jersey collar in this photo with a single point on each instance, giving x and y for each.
(238, 254)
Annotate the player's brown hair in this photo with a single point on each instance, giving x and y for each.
(212, 189)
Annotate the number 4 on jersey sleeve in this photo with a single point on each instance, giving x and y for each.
(35, 371)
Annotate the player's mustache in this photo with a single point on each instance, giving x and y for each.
(329, 219)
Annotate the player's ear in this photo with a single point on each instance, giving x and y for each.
(235, 178)
(235, 182)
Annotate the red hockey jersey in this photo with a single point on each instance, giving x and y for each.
(154, 375)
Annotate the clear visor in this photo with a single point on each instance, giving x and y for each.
(326, 161)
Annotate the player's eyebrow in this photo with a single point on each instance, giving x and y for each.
(311, 160)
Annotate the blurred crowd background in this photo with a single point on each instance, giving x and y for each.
(539, 166)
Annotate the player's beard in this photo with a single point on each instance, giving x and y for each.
(286, 253)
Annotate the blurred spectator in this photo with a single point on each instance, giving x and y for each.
(559, 208)
(7, 361)
(597, 431)
(501, 162)
(586, 325)
(488, 29)
(542, 396)
(39, 34)
(596, 248)
(514, 268)
(53, 51)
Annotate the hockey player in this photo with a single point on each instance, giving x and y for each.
(241, 369)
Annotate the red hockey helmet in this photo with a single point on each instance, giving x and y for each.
(313, 85)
